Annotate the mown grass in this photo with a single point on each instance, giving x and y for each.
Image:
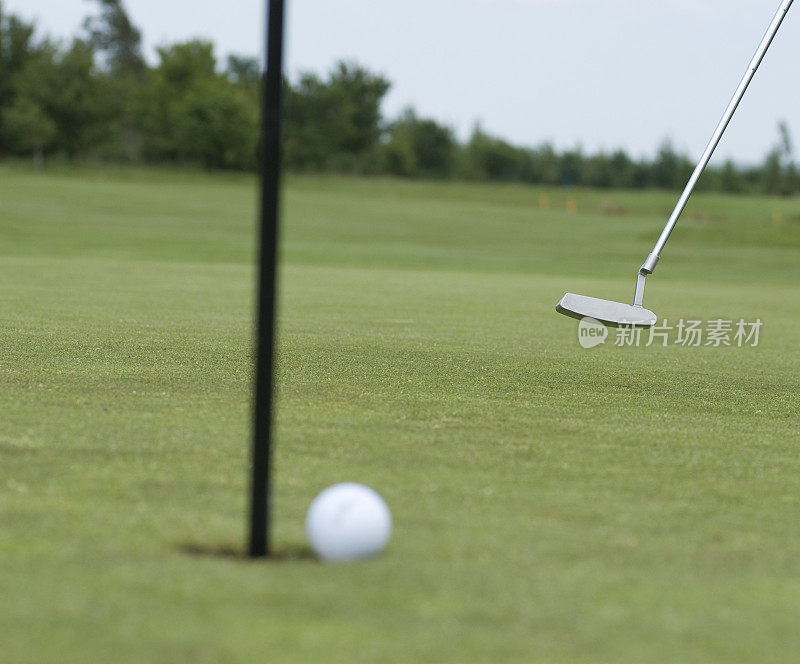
(552, 504)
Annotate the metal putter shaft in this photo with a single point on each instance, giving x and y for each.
(615, 313)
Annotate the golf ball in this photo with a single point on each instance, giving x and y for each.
(348, 521)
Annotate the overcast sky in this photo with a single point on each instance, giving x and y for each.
(596, 73)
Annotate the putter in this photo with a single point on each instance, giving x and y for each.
(616, 313)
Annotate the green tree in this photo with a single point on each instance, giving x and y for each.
(571, 169)
(598, 171)
(778, 174)
(730, 180)
(243, 71)
(79, 101)
(195, 114)
(333, 123)
(183, 64)
(420, 147)
(772, 173)
(69, 90)
(547, 165)
(310, 125)
(490, 158)
(30, 128)
(666, 169)
(114, 34)
(216, 128)
(181, 67)
(245, 74)
(17, 47)
(398, 157)
(622, 170)
(357, 94)
(119, 41)
(786, 147)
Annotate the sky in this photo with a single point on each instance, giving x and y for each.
(599, 74)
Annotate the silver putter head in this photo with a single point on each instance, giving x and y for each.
(605, 311)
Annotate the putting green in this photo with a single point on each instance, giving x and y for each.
(551, 504)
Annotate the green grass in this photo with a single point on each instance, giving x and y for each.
(552, 504)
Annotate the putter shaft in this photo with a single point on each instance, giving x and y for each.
(650, 264)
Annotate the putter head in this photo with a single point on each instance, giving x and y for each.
(611, 313)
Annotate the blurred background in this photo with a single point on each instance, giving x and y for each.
(622, 94)
(453, 168)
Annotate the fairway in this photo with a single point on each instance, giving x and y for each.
(551, 504)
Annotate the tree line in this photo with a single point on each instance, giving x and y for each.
(98, 98)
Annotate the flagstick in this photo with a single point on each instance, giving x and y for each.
(260, 514)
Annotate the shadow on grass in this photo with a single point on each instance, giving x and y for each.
(284, 554)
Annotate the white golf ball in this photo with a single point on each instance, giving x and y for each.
(348, 521)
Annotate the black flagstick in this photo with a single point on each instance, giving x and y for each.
(270, 184)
